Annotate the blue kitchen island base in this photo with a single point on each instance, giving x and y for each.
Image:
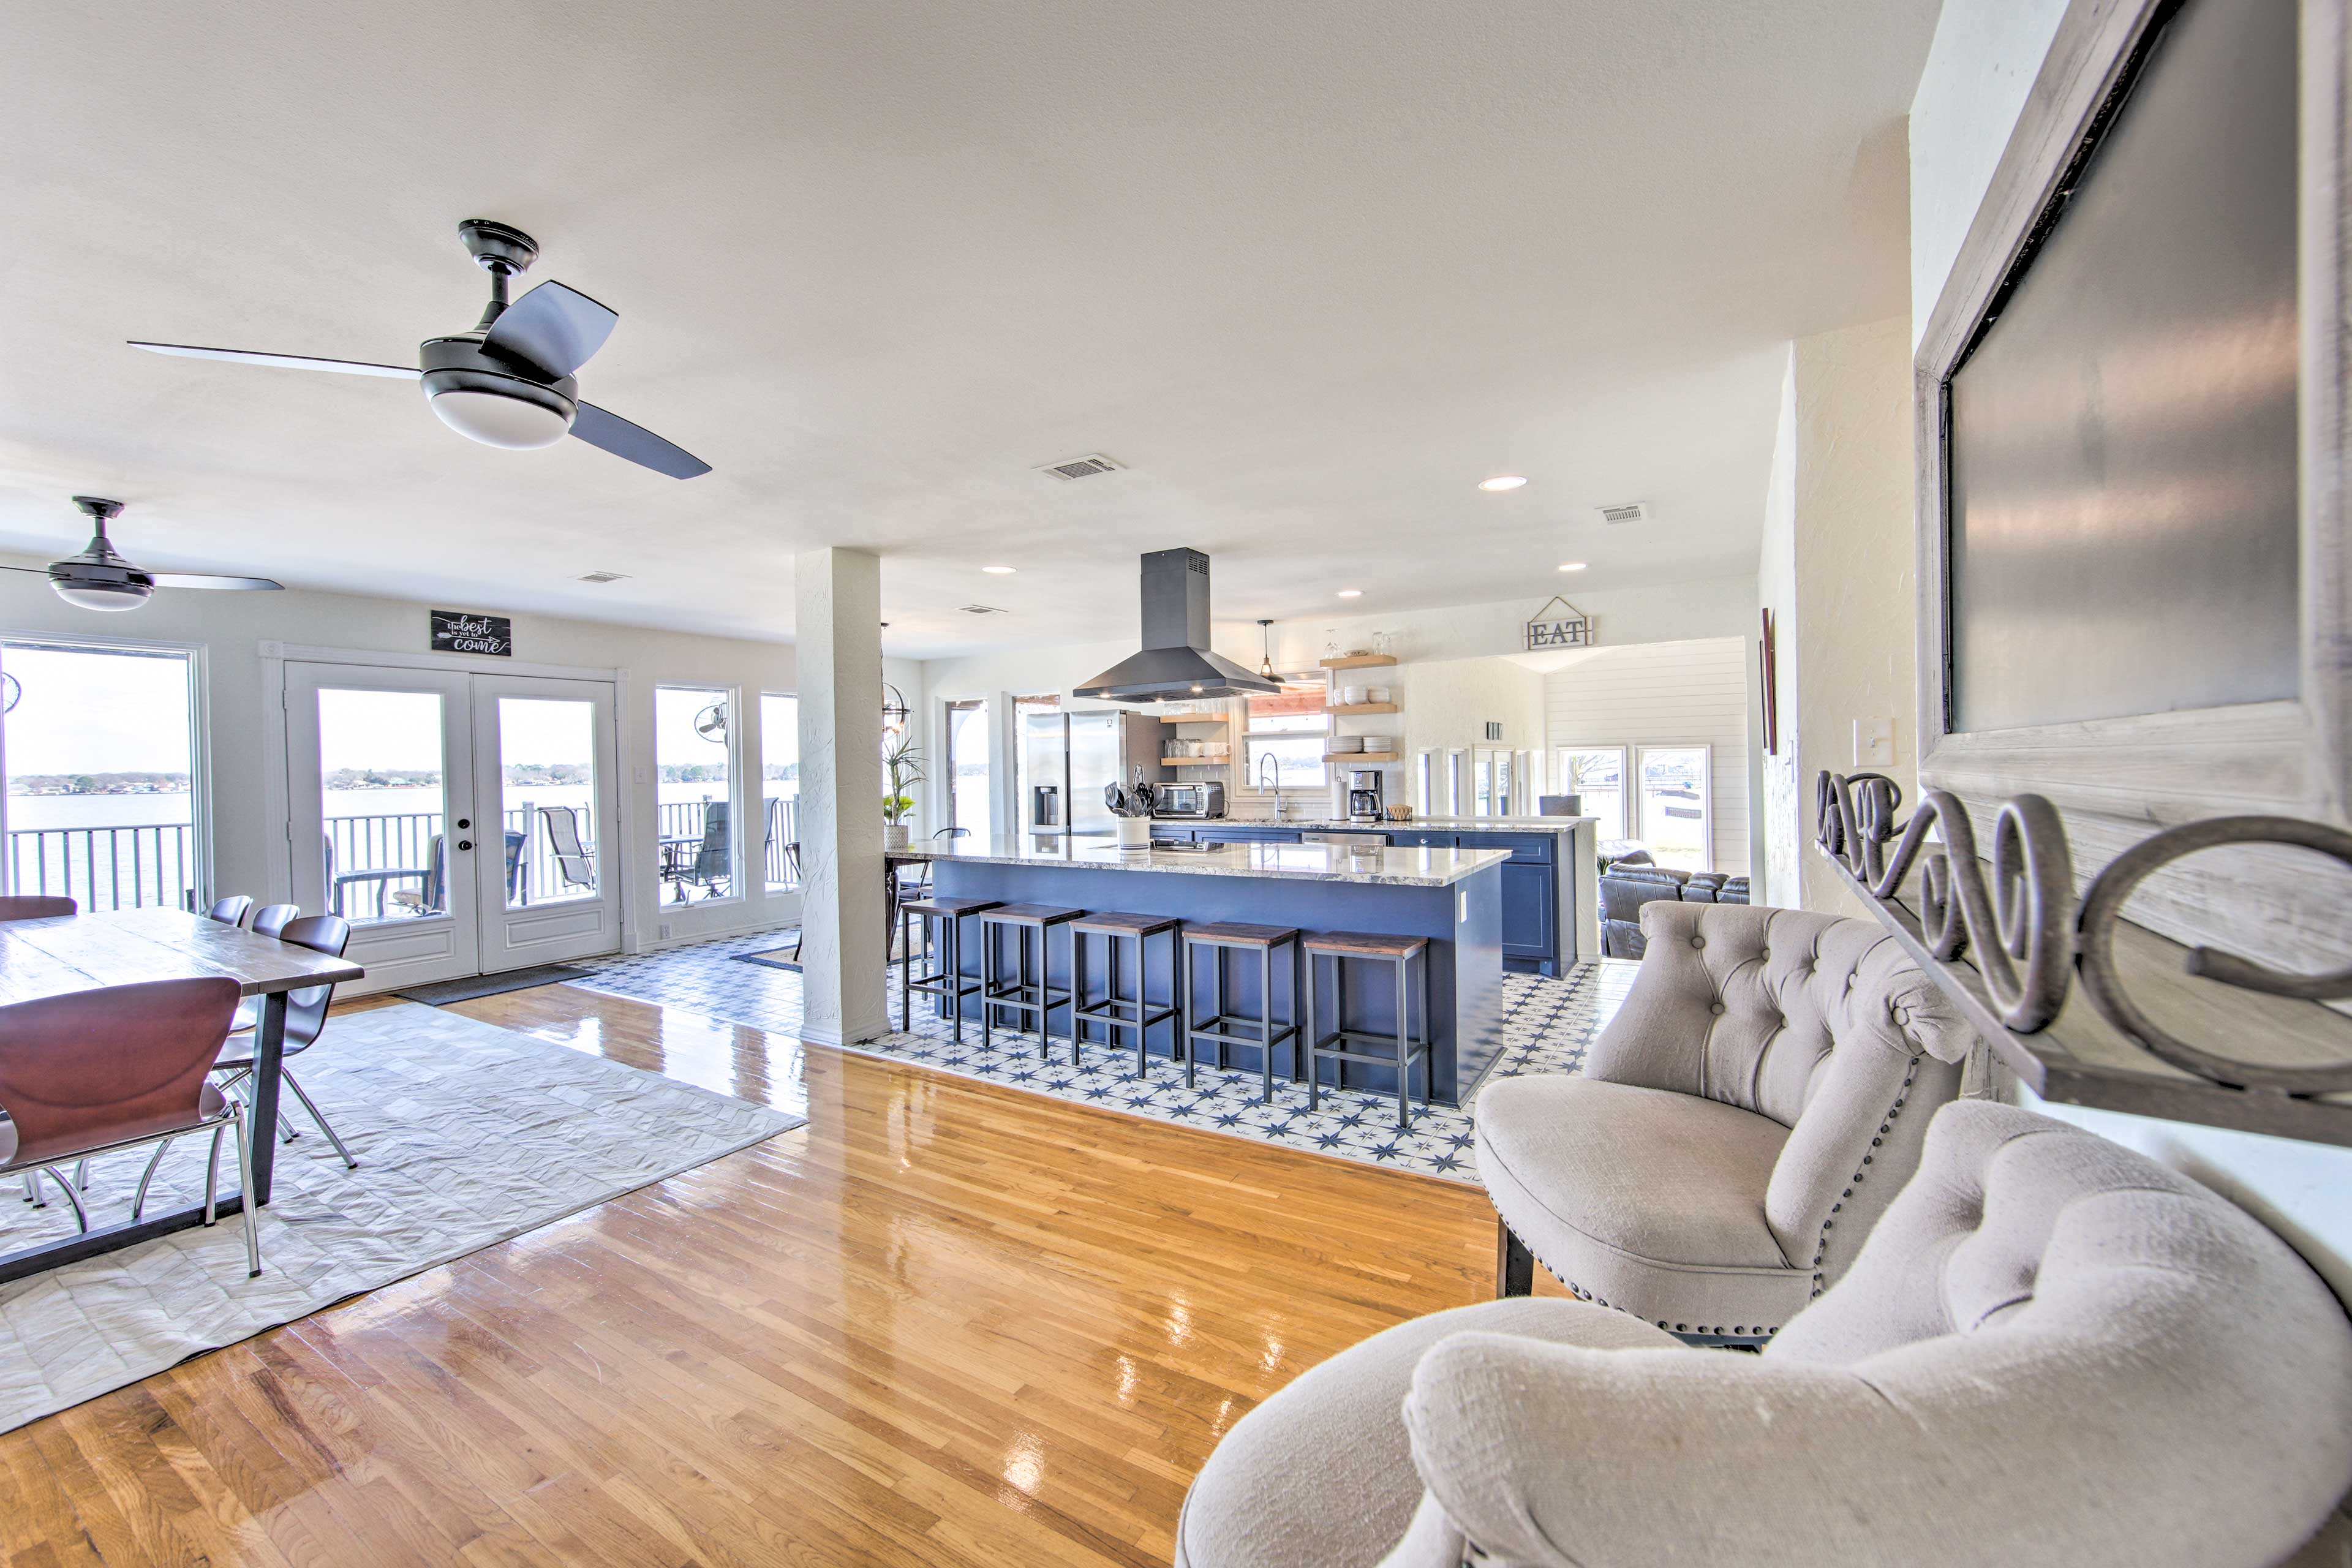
(1452, 898)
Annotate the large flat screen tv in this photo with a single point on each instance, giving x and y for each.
(2121, 449)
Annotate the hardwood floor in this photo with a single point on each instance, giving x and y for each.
(945, 1323)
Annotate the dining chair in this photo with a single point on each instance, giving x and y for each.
(230, 912)
(37, 907)
(306, 1017)
(124, 1066)
(271, 919)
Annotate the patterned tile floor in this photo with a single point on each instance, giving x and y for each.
(1547, 1024)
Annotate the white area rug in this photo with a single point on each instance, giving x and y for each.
(467, 1135)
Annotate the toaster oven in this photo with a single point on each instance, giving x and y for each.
(1203, 799)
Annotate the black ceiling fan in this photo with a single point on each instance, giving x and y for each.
(99, 579)
(507, 382)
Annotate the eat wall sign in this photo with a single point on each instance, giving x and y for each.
(455, 631)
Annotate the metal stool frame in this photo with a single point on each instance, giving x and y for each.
(1109, 1015)
(942, 950)
(1021, 995)
(1220, 1025)
(1403, 1047)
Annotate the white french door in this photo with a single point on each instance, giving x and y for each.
(464, 824)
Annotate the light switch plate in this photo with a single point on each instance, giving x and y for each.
(1873, 743)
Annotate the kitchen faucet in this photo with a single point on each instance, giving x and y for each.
(1265, 761)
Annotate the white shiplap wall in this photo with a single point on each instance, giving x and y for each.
(1675, 693)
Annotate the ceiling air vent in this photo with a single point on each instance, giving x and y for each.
(1084, 467)
(983, 610)
(1632, 511)
(603, 577)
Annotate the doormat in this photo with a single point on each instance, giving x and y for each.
(774, 957)
(441, 993)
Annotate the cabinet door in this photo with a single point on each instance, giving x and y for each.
(1528, 907)
(1536, 846)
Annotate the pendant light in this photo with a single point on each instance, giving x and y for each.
(1265, 662)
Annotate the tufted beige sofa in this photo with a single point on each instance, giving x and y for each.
(2053, 1353)
(1748, 1113)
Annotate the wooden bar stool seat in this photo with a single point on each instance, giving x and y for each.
(941, 922)
(1399, 1049)
(1023, 994)
(1223, 1026)
(1116, 1012)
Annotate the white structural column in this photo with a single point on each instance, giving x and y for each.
(837, 597)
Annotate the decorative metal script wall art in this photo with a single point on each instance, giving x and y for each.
(2028, 936)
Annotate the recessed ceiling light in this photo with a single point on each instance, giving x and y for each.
(1572, 565)
(998, 571)
(1351, 593)
(1503, 482)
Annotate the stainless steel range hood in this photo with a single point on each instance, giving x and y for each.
(1175, 665)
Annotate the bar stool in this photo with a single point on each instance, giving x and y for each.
(941, 922)
(1021, 995)
(1114, 928)
(1399, 952)
(1222, 937)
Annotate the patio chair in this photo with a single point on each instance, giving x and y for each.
(431, 898)
(306, 1017)
(574, 861)
(93, 1071)
(710, 868)
(382, 878)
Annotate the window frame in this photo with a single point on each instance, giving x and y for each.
(736, 890)
(767, 887)
(1625, 804)
(1705, 794)
(200, 771)
(1246, 786)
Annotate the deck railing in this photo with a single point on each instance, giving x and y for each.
(140, 864)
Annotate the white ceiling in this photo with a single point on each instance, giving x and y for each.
(1310, 269)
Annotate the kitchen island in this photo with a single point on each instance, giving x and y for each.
(1449, 895)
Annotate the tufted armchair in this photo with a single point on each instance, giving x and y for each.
(1740, 1123)
(2053, 1353)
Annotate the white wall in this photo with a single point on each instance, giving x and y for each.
(1722, 607)
(1679, 693)
(1985, 57)
(1979, 68)
(231, 626)
(1782, 804)
(1856, 606)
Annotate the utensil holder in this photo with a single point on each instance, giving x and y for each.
(1135, 833)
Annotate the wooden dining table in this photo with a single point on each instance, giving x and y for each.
(88, 951)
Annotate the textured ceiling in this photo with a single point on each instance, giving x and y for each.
(1309, 269)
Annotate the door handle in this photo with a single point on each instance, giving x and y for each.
(464, 844)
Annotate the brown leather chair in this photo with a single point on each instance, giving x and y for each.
(93, 1071)
(231, 912)
(37, 907)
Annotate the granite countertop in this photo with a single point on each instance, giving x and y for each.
(1306, 862)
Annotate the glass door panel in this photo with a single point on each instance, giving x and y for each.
(779, 782)
(1673, 805)
(693, 748)
(380, 813)
(543, 865)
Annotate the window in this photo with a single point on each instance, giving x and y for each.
(1597, 775)
(1675, 820)
(693, 751)
(780, 785)
(967, 734)
(102, 781)
(1424, 784)
(1457, 784)
(547, 785)
(1285, 735)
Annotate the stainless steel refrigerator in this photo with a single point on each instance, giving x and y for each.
(1067, 759)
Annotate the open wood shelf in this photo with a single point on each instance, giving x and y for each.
(1361, 708)
(1358, 662)
(1194, 718)
(1373, 757)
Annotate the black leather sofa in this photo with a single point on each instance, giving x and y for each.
(1627, 885)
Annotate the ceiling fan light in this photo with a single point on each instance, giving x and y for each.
(102, 596)
(497, 419)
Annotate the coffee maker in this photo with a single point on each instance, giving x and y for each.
(1364, 795)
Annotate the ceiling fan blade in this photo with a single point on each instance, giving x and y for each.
(35, 571)
(554, 328)
(618, 435)
(209, 580)
(284, 362)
